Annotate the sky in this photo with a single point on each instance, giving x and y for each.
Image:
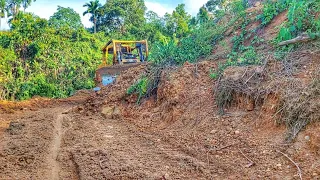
(46, 8)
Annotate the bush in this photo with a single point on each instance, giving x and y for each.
(140, 88)
(36, 59)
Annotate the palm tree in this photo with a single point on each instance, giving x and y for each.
(26, 3)
(92, 8)
(2, 10)
(13, 7)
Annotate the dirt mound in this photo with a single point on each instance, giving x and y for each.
(37, 103)
(176, 95)
(113, 93)
(33, 104)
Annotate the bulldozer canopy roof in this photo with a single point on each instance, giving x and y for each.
(110, 43)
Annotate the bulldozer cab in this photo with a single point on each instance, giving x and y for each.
(124, 52)
(119, 56)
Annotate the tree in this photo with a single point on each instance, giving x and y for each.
(203, 15)
(26, 4)
(92, 8)
(121, 16)
(65, 17)
(214, 5)
(2, 10)
(153, 29)
(13, 6)
(178, 23)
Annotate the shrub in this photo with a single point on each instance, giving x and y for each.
(140, 87)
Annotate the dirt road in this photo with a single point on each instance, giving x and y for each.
(50, 144)
(55, 143)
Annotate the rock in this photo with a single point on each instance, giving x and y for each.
(107, 112)
(108, 136)
(307, 138)
(213, 131)
(257, 4)
(250, 105)
(116, 113)
(111, 112)
(237, 132)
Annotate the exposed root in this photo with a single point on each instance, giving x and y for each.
(298, 168)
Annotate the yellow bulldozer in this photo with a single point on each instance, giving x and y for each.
(119, 56)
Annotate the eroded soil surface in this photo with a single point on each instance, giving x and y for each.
(56, 143)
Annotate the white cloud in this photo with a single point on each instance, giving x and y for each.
(4, 24)
(160, 9)
(46, 9)
(192, 6)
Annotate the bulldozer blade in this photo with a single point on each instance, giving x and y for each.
(107, 75)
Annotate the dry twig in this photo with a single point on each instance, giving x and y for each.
(299, 170)
(252, 163)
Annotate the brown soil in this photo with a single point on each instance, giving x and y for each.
(176, 134)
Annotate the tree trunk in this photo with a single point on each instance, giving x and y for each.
(95, 24)
(302, 38)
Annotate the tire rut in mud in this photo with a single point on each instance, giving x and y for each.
(56, 143)
(30, 147)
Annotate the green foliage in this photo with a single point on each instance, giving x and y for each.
(41, 60)
(140, 87)
(191, 48)
(57, 57)
(271, 9)
(213, 75)
(165, 51)
(203, 15)
(249, 57)
(199, 44)
(216, 7)
(65, 17)
(92, 8)
(301, 18)
(121, 16)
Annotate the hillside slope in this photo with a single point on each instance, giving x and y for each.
(250, 123)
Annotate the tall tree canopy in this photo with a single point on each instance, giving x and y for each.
(92, 8)
(65, 17)
(203, 16)
(26, 4)
(13, 6)
(121, 15)
(2, 10)
(177, 23)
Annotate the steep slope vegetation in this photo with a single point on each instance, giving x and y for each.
(240, 113)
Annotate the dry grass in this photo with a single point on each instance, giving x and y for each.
(244, 81)
(300, 106)
(299, 99)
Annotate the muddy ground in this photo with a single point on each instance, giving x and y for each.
(57, 143)
(176, 134)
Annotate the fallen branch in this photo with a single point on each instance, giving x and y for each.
(299, 170)
(251, 162)
(302, 38)
(217, 149)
